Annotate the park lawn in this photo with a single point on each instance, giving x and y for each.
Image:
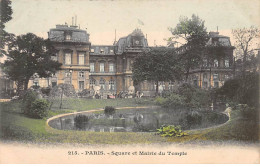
(16, 126)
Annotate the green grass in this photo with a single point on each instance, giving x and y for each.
(15, 126)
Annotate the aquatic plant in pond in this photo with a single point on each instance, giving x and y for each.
(80, 121)
(109, 110)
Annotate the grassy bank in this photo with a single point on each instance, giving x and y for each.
(16, 126)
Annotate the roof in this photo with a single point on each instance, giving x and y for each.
(77, 35)
(102, 50)
(216, 39)
(128, 42)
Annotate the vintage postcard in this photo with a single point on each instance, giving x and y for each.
(129, 82)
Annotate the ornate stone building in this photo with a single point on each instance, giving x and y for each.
(108, 67)
(217, 65)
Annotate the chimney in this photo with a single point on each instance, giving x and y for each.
(72, 21)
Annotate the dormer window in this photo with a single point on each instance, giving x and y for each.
(102, 51)
(111, 51)
(92, 50)
(68, 37)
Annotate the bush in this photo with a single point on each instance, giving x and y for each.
(244, 111)
(27, 98)
(109, 110)
(171, 131)
(174, 101)
(39, 109)
(80, 121)
(84, 93)
(159, 100)
(242, 89)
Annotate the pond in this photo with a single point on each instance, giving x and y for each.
(138, 120)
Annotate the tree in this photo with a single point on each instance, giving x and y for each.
(157, 64)
(246, 41)
(243, 89)
(6, 15)
(194, 34)
(29, 55)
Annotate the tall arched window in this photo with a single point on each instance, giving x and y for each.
(111, 85)
(111, 67)
(102, 83)
(92, 83)
(102, 67)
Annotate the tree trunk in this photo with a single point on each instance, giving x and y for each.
(19, 87)
(187, 74)
(157, 88)
(26, 84)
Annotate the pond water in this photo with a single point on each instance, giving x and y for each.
(138, 120)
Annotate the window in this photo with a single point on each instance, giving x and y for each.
(92, 67)
(81, 59)
(215, 76)
(81, 85)
(226, 77)
(226, 63)
(81, 74)
(205, 76)
(111, 67)
(205, 63)
(68, 37)
(162, 85)
(215, 63)
(102, 51)
(216, 84)
(53, 84)
(54, 58)
(205, 84)
(171, 85)
(195, 82)
(102, 67)
(92, 83)
(67, 73)
(92, 50)
(102, 84)
(111, 85)
(111, 51)
(35, 83)
(67, 58)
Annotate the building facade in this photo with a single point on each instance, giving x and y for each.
(106, 69)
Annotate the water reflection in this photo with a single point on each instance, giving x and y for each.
(141, 120)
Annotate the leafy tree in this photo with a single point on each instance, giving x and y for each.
(194, 34)
(246, 41)
(157, 64)
(243, 89)
(5, 15)
(28, 55)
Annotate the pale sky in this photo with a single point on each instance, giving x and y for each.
(101, 18)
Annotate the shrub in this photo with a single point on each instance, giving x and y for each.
(80, 121)
(244, 111)
(28, 97)
(174, 101)
(159, 100)
(171, 131)
(84, 93)
(39, 109)
(109, 110)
